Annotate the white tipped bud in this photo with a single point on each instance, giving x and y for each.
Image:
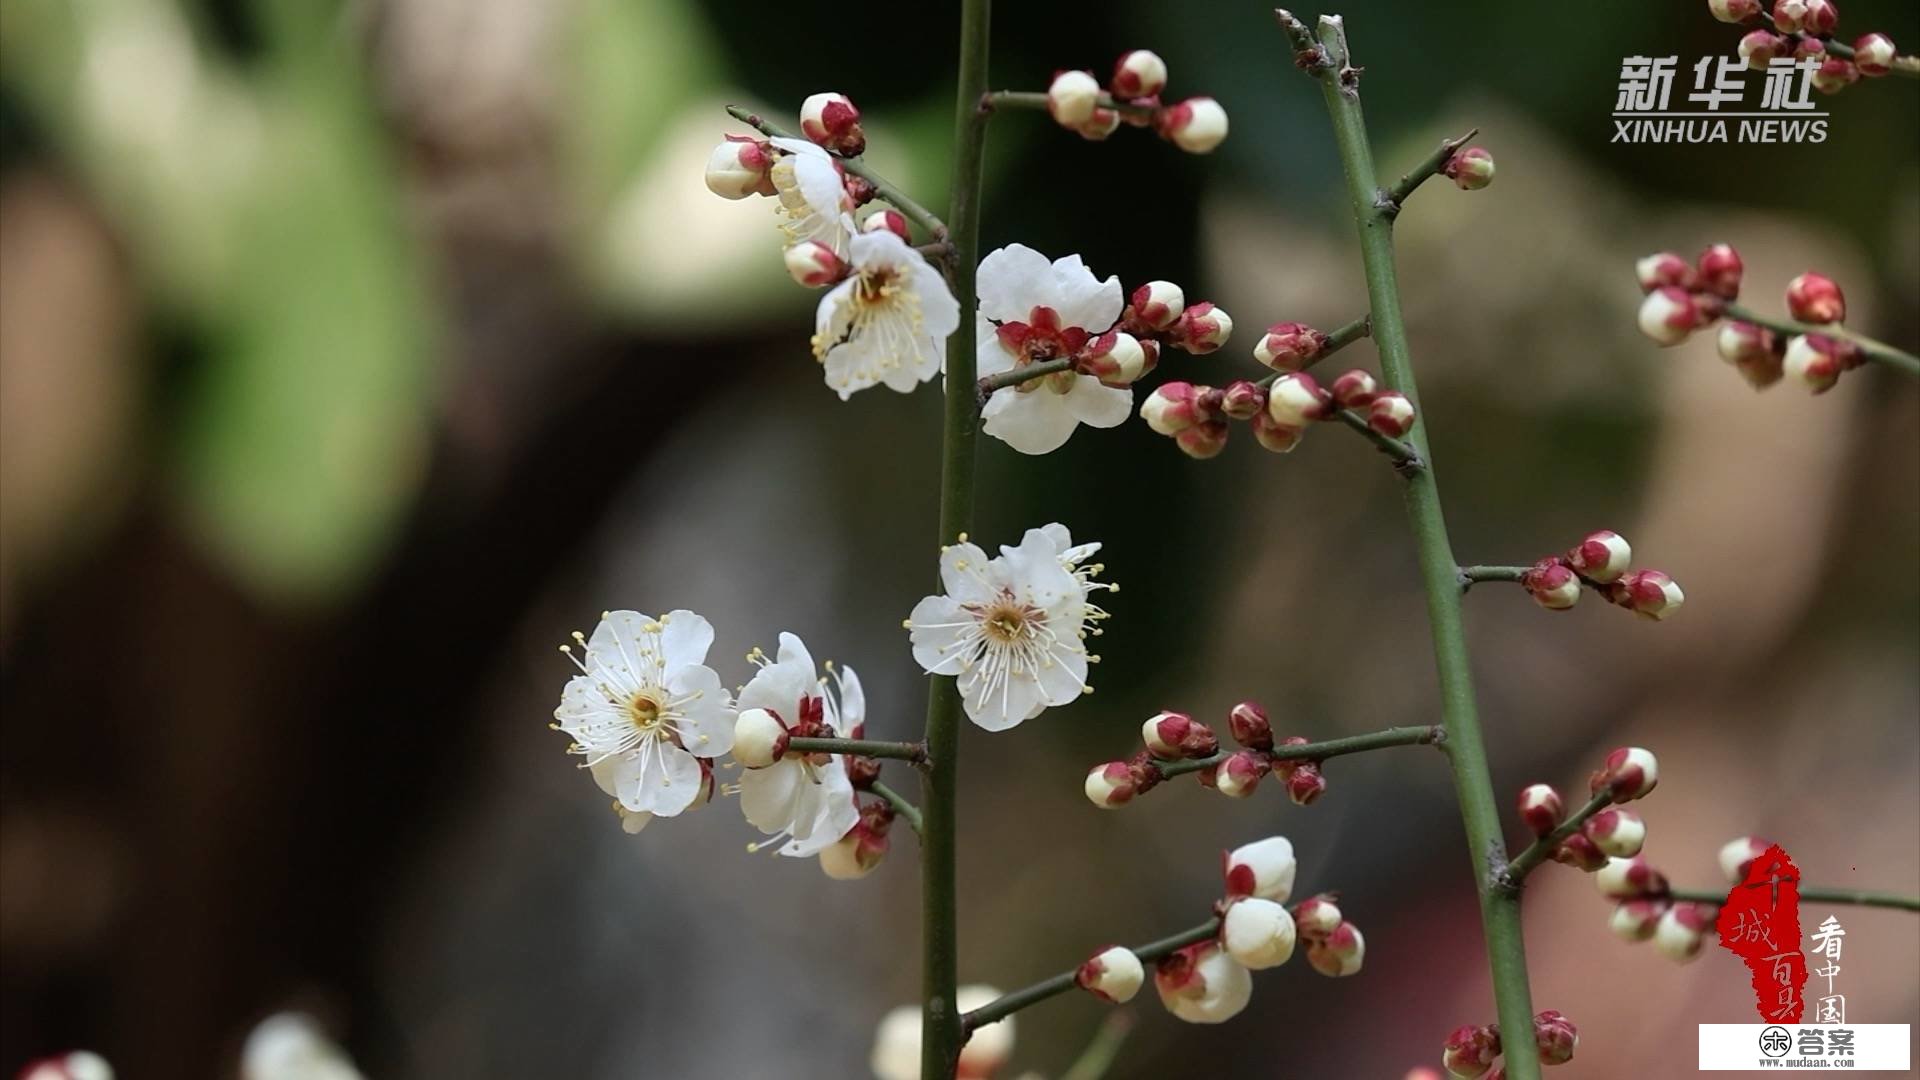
(1116, 358)
(1140, 73)
(1631, 772)
(738, 168)
(1627, 879)
(1317, 917)
(1113, 974)
(890, 220)
(1157, 304)
(813, 264)
(1602, 556)
(1258, 933)
(1541, 808)
(1072, 97)
(1682, 931)
(1264, 868)
(1172, 408)
(1874, 54)
(1619, 833)
(1340, 953)
(1203, 986)
(1196, 125)
(1738, 855)
(759, 738)
(1669, 316)
(1390, 414)
(1111, 785)
(831, 120)
(1636, 920)
(1295, 399)
(1815, 361)
(1238, 775)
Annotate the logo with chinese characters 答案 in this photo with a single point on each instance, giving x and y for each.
(1649, 110)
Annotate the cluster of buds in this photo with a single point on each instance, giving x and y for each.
(1681, 299)
(1076, 102)
(1474, 1051)
(1801, 29)
(1600, 561)
(1157, 317)
(1645, 910)
(1630, 773)
(1280, 407)
(1335, 947)
(1177, 737)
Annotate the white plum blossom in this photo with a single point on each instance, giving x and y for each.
(896, 1042)
(291, 1046)
(888, 322)
(1011, 629)
(646, 712)
(1031, 311)
(804, 802)
(814, 205)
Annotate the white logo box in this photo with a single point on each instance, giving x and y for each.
(1757, 1047)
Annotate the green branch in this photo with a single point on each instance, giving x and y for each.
(902, 807)
(911, 752)
(1320, 751)
(1817, 894)
(1022, 374)
(882, 187)
(1877, 351)
(1405, 458)
(1029, 99)
(1328, 61)
(1007, 1004)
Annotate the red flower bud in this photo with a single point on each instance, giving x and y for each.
(1578, 852)
(1248, 723)
(1243, 400)
(1471, 1049)
(1354, 389)
(1289, 346)
(1541, 808)
(1305, 784)
(1555, 1036)
(1630, 773)
(1873, 54)
(832, 121)
(1720, 270)
(1815, 298)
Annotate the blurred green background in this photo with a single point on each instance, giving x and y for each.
(351, 354)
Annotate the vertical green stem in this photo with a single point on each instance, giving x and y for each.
(1473, 786)
(939, 974)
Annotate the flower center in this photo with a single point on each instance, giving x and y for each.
(1006, 622)
(645, 713)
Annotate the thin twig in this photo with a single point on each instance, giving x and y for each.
(912, 752)
(1405, 458)
(1007, 1004)
(1321, 751)
(1028, 99)
(1022, 374)
(883, 187)
(902, 806)
(1818, 894)
(1879, 351)
(1396, 196)
(1543, 848)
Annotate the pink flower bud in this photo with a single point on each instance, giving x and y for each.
(1113, 974)
(1296, 399)
(1196, 125)
(1244, 400)
(1737, 856)
(813, 264)
(1720, 271)
(1580, 853)
(1602, 556)
(1630, 773)
(1669, 315)
(1277, 437)
(1173, 408)
(1264, 868)
(854, 855)
(1111, 785)
(1743, 343)
(1140, 73)
(1201, 984)
(1734, 11)
(1317, 916)
(1471, 169)
(831, 120)
(1339, 953)
(740, 167)
(1104, 123)
(1155, 306)
(1552, 584)
(1202, 329)
(1636, 920)
(1682, 931)
(1817, 361)
(1555, 1036)
(759, 738)
(1390, 414)
(1649, 593)
(1258, 933)
(1818, 17)
(1789, 16)
(1239, 774)
(1760, 47)
(1662, 270)
(1815, 298)
(1354, 389)
(1175, 735)
(1289, 346)
(1250, 727)
(1305, 784)
(1804, 47)
(1470, 1051)
(1627, 879)
(1617, 832)
(1072, 97)
(1873, 54)
(1203, 441)
(1541, 808)
(1116, 358)
(887, 219)
(1834, 75)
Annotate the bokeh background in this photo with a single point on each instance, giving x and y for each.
(351, 354)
